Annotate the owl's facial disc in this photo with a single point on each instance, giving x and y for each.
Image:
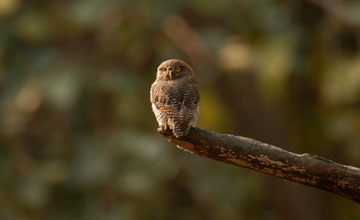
(170, 70)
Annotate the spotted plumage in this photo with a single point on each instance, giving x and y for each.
(175, 97)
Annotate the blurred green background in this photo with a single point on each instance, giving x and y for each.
(78, 138)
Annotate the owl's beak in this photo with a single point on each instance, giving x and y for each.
(170, 74)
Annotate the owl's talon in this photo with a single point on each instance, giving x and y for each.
(163, 128)
(166, 127)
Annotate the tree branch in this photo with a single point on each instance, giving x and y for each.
(307, 169)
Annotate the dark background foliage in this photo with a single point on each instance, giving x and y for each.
(77, 136)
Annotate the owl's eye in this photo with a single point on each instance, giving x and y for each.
(177, 69)
(163, 70)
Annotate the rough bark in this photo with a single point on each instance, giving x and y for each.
(304, 168)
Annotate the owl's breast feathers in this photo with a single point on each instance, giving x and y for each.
(177, 100)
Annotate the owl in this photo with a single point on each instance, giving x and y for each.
(175, 97)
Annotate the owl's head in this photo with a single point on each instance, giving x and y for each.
(173, 69)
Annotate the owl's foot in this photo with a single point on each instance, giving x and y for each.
(165, 127)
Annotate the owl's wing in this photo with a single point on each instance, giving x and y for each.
(164, 99)
(189, 102)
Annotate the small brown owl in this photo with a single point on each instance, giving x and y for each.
(175, 97)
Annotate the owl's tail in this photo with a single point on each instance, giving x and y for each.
(180, 129)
